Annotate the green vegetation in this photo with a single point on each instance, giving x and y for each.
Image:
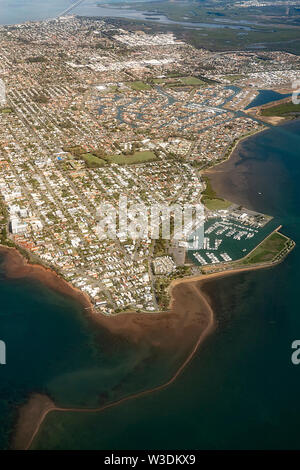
(4, 236)
(268, 250)
(92, 161)
(114, 89)
(209, 191)
(65, 125)
(283, 36)
(216, 204)
(37, 59)
(272, 249)
(281, 109)
(160, 247)
(176, 80)
(75, 150)
(191, 81)
(137, 157)
(140, 86)
(194, 11)
(162, 283)
(41, 99)
(210, 198)
(6, 110)
(227, 39)
(181, 271)
(159, 81)
(160, 286)
(98, 158)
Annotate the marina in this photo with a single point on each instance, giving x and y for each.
(227, 239)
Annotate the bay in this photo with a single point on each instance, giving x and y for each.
(241, 391)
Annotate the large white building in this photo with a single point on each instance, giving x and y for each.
(17, 226)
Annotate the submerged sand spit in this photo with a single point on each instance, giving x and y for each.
(184, 327)
(188, 311)
(29, 416)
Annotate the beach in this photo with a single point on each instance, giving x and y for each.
(185, 326)
(189, 320)
(227, 185)
(187, 314)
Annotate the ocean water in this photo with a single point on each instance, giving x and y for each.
(52, 347)
(266, 96)
(241, 391)
(18, 11)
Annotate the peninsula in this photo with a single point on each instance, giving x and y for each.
(94, 112)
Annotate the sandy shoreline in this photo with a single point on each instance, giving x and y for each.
(188, 322)
(16, 267)
(273, 120)
(34, 413)
(214, 167)
(134, 326)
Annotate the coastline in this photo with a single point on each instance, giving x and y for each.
(266, 123)
(233, 189)
(218, 175)
(17, 266)
(164, 330)
(190, 315)
(271, 120)
(229, 151)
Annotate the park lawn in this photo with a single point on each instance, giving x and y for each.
(140, 86)
(75, 150)
(159, 80)
(168, 82)
(215, 204)
(177, 81)
(92, 161)
(192, 81)
(209, 191)
(281, 109)
(186, 81)
(6, 110)
(137, 157)
(267, 250)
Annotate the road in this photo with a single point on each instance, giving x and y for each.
(67, 10)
